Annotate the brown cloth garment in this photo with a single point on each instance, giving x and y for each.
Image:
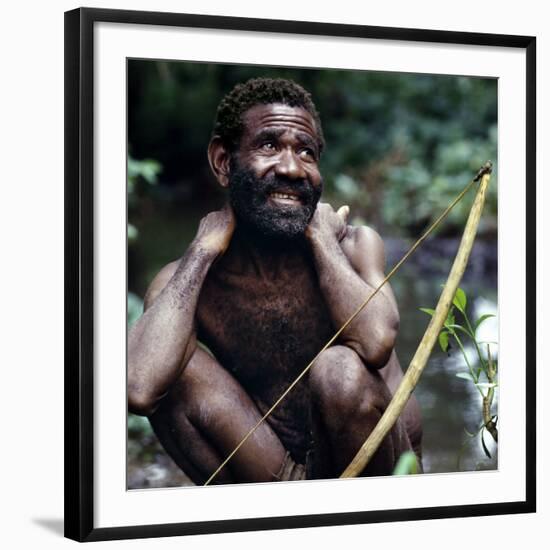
(290, 470)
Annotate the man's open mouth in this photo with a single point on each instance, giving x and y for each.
(285, 198)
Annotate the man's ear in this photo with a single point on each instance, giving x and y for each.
(219, 158)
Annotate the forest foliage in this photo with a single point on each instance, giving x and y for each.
(399, 146)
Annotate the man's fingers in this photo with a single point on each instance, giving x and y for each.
(343, 212)
(230, 212)
(227, 208)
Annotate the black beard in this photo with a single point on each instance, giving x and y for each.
(249, 197)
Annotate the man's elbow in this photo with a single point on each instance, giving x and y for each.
(376, 352)
(142, 392)
(140, 402)
(378, 355)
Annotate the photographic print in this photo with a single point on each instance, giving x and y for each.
(300, 274)
(377, 158)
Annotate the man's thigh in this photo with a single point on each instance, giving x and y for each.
(411, 416)
(349, 400)
(205, 416)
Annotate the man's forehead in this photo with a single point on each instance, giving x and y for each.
(278, 115)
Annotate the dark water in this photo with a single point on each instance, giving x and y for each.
(449, 405)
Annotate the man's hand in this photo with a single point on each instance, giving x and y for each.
(215, 230)
(327, 223)
(350, 265)
(163, 339)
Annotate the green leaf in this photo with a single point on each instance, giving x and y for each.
(147, 169)
(465, 375)
(135, 308)
(450, 319)
(132, 232)
(139, 425)
(460, 300)
(485, 446)
(444, 340)
(406, 464)
(481, 319)
(427, 310)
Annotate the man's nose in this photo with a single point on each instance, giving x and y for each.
(289, 165)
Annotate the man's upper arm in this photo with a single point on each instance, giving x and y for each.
(365, 250)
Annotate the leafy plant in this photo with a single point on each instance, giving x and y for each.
(147, 170)
(406, 465)
(139, 171)
(135, 308)
(483, 374)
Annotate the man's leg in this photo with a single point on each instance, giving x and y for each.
(348, 400)
(411, 415)
(205, 416)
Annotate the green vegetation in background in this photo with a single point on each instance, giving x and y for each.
(140, 172)
(483, 372)
(399, 146)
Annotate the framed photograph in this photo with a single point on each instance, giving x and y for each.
(238, 193)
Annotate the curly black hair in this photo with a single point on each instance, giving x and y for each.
(228, 124)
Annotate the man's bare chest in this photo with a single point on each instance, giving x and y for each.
(264, 331)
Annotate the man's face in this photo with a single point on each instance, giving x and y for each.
(275, 184)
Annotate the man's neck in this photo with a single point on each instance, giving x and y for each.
(265, 256)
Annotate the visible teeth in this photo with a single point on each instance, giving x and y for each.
(284, 196)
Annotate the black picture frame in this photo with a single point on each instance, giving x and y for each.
(79, 272)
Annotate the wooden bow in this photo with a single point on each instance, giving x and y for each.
(420, 359)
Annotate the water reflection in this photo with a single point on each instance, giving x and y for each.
(450, 405)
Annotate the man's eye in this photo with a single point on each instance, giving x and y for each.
(268, 146)
(308, 153)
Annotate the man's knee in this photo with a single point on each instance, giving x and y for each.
(340, 382)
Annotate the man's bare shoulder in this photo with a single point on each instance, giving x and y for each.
(159, 282)
(364, 248)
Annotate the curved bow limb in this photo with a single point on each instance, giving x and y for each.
(420, 358)
(484, 170)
